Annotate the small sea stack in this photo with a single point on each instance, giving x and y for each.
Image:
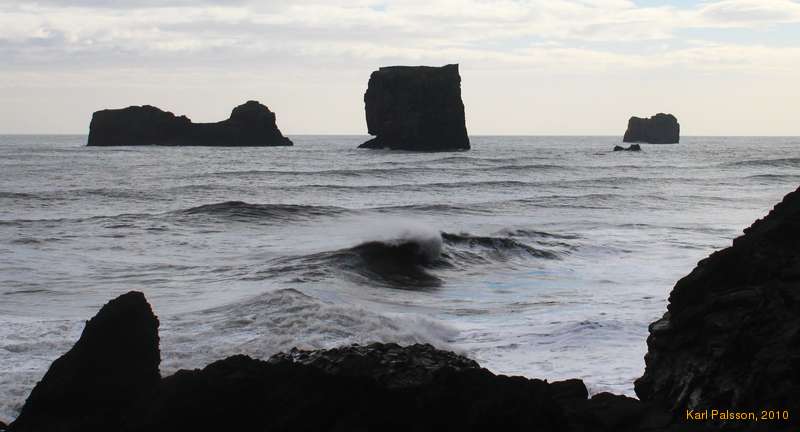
(250, 124)
(416, 108)
(632, 147)
(658, 129)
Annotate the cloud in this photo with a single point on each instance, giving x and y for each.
(597, 33)
(748, 13)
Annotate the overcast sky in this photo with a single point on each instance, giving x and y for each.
(535, 67)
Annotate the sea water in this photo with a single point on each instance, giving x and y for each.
(538, 256)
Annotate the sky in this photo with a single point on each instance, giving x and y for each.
(528, 67)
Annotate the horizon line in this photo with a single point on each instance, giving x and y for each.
(471, 135)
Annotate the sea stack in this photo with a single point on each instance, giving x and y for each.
(658, 129)
(250, 124)
(731, 335)
(416, 108)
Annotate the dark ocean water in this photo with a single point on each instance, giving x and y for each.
(540, 256)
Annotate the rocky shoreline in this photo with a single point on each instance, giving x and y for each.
(729, 343)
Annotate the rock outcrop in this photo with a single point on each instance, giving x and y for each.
(658, 129)
(250, 124)
(632, 147)
(109, 381)
(730, 338)
(113, 364)
(390, 365)
(240, 393)
(416, 108)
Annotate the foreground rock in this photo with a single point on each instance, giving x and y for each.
(113, 364)
(240, 393)
(390, 365)
(730, 339)
(658, 129)
(109, 381)
(250, 124)
(632, 147)
(416, 108)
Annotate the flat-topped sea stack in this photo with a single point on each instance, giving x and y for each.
(658, 129)
(250, 124)
(416, 108)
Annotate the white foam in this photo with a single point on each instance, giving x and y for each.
(280, 320)
(260, 327)
(352, 231)
(26, 351)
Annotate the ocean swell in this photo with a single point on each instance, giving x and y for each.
(413, 260)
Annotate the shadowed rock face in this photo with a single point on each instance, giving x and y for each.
(114, 363)
(240, 393)
(658, 129)
(416, 108)
(379, 387)
(391, 365)
(731, 336)
(250, 124)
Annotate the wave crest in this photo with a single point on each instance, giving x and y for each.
(240, 210)
(413, 260)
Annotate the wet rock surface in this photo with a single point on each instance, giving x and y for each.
(730, 339)
(416, 108)
(658, 129)
(250, 124)
(391, 365)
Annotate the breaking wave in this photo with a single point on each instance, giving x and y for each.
(413, 261)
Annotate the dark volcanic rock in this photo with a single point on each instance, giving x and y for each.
(240, 393)
(250, 124)
(324, 391)
(731, 336)
(658, 129)
(416, 108)
(381, 387)
(114, 363)
(391, 365)
(109, 382)
(632, 147)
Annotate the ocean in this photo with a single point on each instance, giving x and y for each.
(538, 256)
